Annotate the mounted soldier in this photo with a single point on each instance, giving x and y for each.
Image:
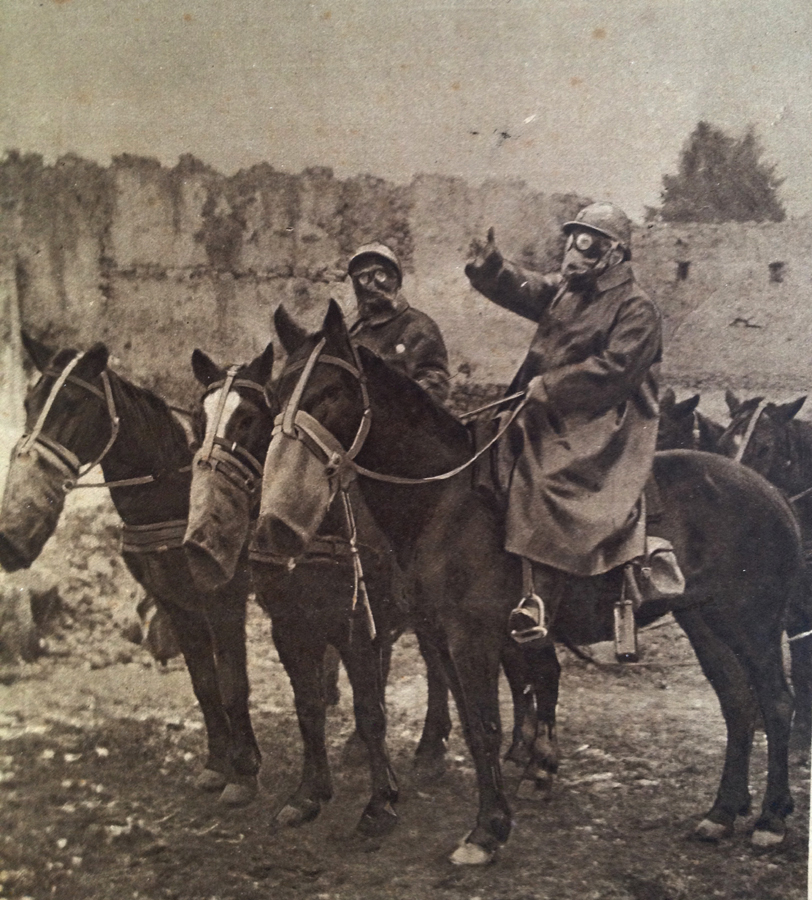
(404, 337)
(575, 460)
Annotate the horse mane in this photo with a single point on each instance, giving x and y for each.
(416, 406)
(147, 416)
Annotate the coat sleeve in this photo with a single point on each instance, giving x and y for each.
(427, 357)
(522, 291)
(610, 377)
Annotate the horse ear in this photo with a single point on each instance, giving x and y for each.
(709, 434)
(39, 353)
(733, 402)
(205, 369)
(787, 411)
(668, 399)
(686, 407)
(291, 334)
(334, 325)
(265, 365)
(94, 362)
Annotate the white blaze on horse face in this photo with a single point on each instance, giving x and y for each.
(210, 407)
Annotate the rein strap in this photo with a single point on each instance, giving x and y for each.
(751, 427)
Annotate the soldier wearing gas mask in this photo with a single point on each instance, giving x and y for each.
(577, 456)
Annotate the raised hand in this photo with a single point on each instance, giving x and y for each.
(487, 258)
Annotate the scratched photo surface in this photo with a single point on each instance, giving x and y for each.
(183, 191)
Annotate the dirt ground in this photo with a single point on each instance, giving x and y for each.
(99, 747)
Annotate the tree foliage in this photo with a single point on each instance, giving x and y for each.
(722, 179)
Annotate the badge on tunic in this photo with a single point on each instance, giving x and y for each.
(400, 348)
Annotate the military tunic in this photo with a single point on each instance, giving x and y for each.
(409, 341)
(580, 451)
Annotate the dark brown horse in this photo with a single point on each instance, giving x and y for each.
(309, 597)
(769, 439)
(80, 413)
(347, 413)
(683, 427)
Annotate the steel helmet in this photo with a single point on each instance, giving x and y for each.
(379, 250)
(606, 219)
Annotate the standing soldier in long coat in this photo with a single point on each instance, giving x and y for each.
(580, 451)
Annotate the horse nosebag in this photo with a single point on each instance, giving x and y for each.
(220, 507)
(37, 483)
(296, 494)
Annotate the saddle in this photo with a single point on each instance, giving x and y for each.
(651, 582)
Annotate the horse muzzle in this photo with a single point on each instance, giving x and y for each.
(34, 497)
(296, 494)
(220, 505)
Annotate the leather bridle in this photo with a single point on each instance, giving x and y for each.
(751, 427)
(66, 456)
(300, 425)
(239, 465)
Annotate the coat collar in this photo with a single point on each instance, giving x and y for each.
(614, 277)
(400, 306)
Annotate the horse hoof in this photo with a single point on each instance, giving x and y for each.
(765, 840)
(468, 854)
(712, 831)
(239, 793)
(209, 780)
(292, 816)
(378, 823)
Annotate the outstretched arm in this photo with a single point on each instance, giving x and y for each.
(522, 291)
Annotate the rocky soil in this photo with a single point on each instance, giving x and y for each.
(100, 744)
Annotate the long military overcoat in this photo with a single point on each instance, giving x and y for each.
(580, 451)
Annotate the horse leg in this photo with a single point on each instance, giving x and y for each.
(362, 660)
(355, 751)
(544, 672)
(472, 668)
(433, 742)
(332, 694)
(738, 705)
(194, 640)
(525, 722)
(226, 614)
(800, 653)
(761, 659)
(302, 655)
(799, 621)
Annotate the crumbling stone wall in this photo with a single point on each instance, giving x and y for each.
(156, 261)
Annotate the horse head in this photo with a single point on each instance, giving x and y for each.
(758, 435)
(677, 422)
(322, 425)
(69, 427)
(234, 421)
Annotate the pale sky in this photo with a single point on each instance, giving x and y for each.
(596, 97)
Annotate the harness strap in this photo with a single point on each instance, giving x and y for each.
(30, 440)
(487, 406)
(208, 443)
(292, 406)
(751, 427)
(359, 586)
(428, 479)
